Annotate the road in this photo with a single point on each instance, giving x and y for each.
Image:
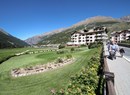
(121, 69)
(127, 53)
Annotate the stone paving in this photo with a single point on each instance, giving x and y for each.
(121, 68)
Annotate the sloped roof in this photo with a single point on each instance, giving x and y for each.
(94, 30)
(80, 32)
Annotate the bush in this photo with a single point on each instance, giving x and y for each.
(61, 46)
(60, 52)
(26, 52)
(94, 45)
(68, 56)
(85, 82)
(60, 60)
(83, 45)
(72, 49)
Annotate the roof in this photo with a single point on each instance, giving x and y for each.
(124, 31)
(94, 30)
(80, 32)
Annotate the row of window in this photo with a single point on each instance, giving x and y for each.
(86, 35)
(79, 41)
(82, 41)
(79, 38)
(87, 38)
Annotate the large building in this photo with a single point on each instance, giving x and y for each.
(120, 36)
(85, 37)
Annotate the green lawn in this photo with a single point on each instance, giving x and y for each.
(40, 84)
(4, 53)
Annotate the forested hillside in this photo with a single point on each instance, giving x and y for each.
(9, 41)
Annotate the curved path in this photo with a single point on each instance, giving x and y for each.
(121, 68)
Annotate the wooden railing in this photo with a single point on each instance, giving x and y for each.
(108, 85)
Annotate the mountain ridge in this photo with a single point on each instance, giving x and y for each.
(125, 18)
(9, 41)
(96, 19)
(89, 23)
(37, 38)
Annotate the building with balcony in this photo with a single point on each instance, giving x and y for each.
(85, 37)
(120, 36)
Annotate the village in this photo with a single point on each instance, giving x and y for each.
(85, 37)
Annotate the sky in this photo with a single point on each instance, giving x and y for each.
(26, 18)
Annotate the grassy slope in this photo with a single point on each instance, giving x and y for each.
(39, 84)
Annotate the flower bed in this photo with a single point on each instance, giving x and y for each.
(40, 68)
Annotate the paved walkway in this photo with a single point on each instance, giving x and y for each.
(121, 68)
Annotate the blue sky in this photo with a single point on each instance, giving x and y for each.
(26, 18)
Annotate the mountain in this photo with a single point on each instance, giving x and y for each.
(38, 38)
(96, 19)
(9, 41)
(64, 35)
(125, 18)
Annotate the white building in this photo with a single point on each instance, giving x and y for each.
(78, 38)
(115, 36)
(120, 36)
(97, 34)
(84, 37)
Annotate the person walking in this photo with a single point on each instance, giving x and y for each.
(108, 45)
(113, 49)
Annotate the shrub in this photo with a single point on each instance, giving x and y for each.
(72, 49)
(60, 60)
(94, 45)
(61, 46)
(83, 45)
(60, 52)
(26, 52)
(68, 56)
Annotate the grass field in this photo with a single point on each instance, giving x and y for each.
(4, 53)
(42, 83)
